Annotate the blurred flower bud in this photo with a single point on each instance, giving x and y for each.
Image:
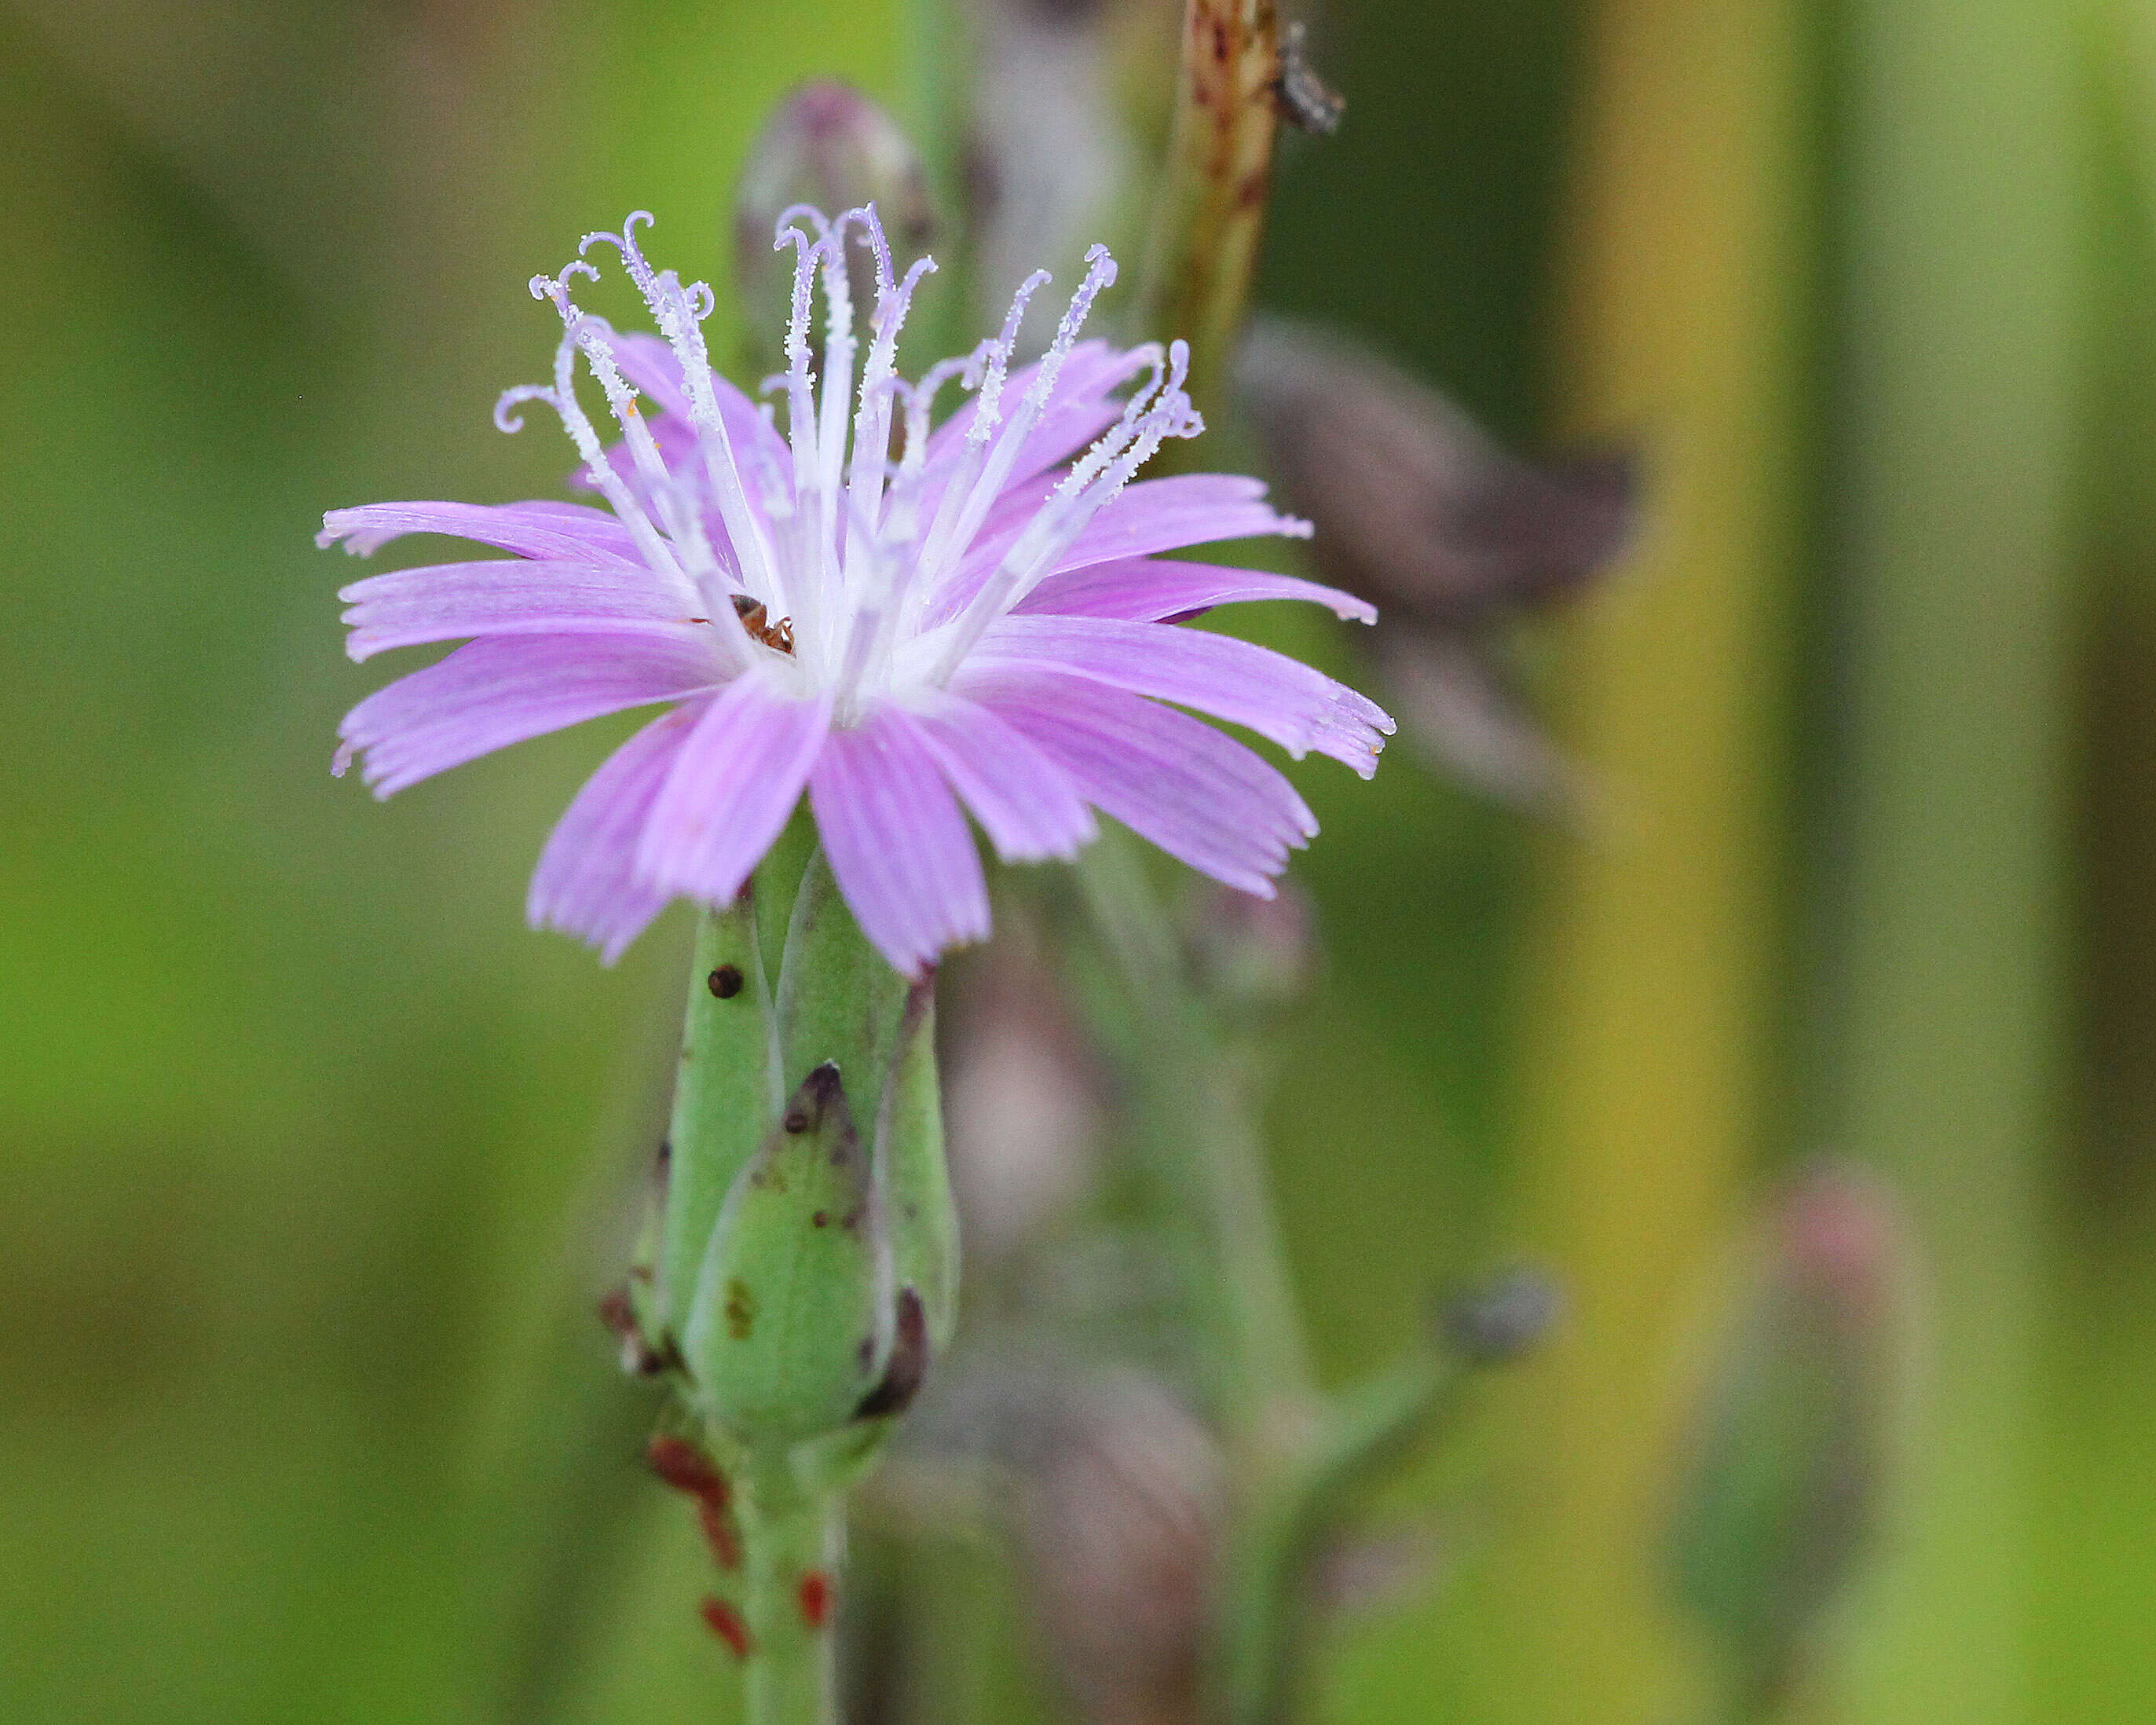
(1783, 1466)
(1421, 512)
(1251, 956)
(828, 146)
(1496, 1323)
(1023, 1099)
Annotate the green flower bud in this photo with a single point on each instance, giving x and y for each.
(808, 1260)
(1784, 1465)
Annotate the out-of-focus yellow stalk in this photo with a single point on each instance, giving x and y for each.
(1647, 1021)
(1962, 298)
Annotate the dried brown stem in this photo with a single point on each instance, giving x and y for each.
(1206, 226)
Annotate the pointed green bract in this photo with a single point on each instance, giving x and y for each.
(913, 1179)
(782, 1337)
(839, 1000)
(724, 1098)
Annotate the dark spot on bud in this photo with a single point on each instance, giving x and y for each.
(912, 1211)
(815, 1597)
(740, 1309)
(796, 1121)
(726, 1622)
(908, 1365)
(822, 1219)
(725, 982)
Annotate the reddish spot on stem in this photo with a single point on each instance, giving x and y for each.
(726, 1622)
(686, 1468)
(815, 1599)
(719, 1533)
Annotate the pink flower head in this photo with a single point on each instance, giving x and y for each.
(983, 623)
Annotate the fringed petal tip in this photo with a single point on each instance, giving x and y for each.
(347, 527)
(607, 943)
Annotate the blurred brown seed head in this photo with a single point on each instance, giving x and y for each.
(1421, 512)
(1111, 1492)
(828, 146)
(1416, 509)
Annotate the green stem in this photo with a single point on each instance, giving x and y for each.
(790, 1542)
(1193, 1131)
(1264, 1603)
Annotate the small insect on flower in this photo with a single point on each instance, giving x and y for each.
(755, 619)
(982, 625)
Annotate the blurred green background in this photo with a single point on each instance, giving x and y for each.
(306, 1146)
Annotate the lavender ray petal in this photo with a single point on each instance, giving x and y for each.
(1150, 589)
(897, 842)
(1278, 697)
(564, 532)
(448, 602)
(491, 693)
(1169, 514)
(734, 782)
(586, 884)
(1024, 801)
(1199, 795)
